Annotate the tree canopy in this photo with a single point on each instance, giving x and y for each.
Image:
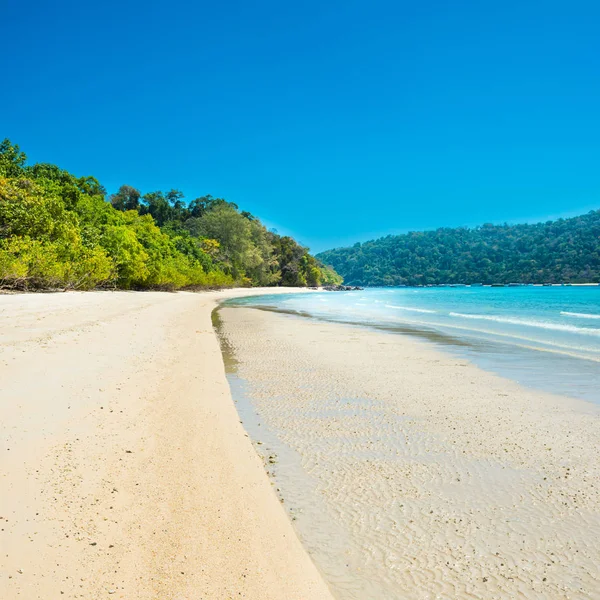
(562, 251)
(58, 230)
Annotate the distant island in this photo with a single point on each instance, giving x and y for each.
(561, 251)
(61, 231)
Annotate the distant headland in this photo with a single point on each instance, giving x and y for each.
(556, 252)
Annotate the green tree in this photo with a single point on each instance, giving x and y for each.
(127, 198)
(12, 160)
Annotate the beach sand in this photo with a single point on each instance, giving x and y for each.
(125, 472)
(409, 472)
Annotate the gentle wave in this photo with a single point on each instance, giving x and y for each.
(589, 353)
(579, 315)
(419, 310)
(539, 324)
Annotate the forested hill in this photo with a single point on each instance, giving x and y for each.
(58, 230)
(567, 250)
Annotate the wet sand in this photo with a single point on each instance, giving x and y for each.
(124, 470)
(411, 473)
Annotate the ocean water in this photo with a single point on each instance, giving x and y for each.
(542, 337)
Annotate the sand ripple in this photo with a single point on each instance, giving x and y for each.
(412, 474)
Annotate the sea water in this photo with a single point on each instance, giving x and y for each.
(543, 337)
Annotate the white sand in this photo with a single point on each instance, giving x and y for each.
(125, 472)
(414, 474)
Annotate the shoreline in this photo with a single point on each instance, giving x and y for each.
(125, 470)
(471, 350)
(441, 478)
(518, 335)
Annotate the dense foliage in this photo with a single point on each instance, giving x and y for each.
(59, 231)
(567, 250)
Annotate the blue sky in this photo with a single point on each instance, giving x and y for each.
(334, 121)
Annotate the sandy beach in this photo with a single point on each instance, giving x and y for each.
(359, 464)
(410, 473)
(125, 472)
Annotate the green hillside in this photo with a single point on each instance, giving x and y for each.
(58, 230)
(566, 250)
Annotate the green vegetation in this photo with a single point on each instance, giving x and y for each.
(567, 250)
(58, 231)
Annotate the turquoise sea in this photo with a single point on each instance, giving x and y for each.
(543, 337)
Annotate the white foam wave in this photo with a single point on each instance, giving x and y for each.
(590, 353)
(579, 315)
(410, 308)
(539, 324)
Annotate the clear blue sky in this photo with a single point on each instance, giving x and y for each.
(335, 121)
